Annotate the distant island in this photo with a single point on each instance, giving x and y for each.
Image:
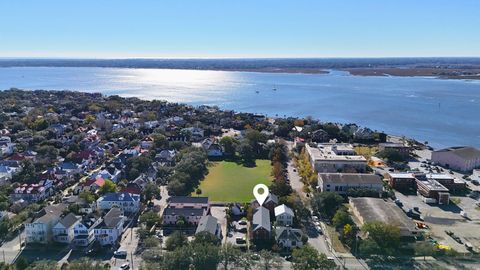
(446, 68)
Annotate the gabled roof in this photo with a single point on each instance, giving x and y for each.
(112, 218)
(69, 220)
(283, 209)
(261, 219)
(120, 197)
(287, 233)
(207, 224)
(170, 211)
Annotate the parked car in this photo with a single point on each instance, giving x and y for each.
(319, 230)
(242, 222)
(124, 266)
(240, 240)
(120, 253)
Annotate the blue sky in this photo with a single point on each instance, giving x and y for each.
(246, 28)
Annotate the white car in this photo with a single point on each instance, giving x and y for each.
(319, 230)
(124, 266)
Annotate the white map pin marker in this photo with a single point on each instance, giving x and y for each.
(260, 197)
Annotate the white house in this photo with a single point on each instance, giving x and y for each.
(84, 231)
(284, 215)
(63, 230)
(128, 203)
(39, 230)
(191, 216)
(111, 227)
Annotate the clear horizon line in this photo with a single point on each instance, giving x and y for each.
(219, 57)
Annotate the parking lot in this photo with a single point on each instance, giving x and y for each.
(441, 218)
(239, 231)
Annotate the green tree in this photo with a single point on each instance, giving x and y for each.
(326, 203)
(87, 196)
(151, 242)
(206, 238)
(269, 260)
(341, 218)
(245, 150)
(229, 145)
(425, 249)
(308, 258)
(149, 219)
(108, 187)
(176, 240)
(229, 255)
(383, 239)
(151, 191)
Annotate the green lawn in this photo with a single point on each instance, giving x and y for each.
(232, 182)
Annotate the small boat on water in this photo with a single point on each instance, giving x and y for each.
(257, 92)
(274, 88)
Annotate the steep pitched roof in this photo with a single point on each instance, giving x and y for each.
(283, 209)
(112, 218)
(188, 199)
(207, 224)
(69, 220)
(261, 219)
(287, 233)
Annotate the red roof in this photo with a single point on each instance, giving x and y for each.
(132, 190)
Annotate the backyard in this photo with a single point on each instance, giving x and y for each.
(232, 182)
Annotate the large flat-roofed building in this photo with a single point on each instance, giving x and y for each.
(462, 158)
(335, 157)
(373, 209)
(342, 182)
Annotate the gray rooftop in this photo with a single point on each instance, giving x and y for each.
(374, 209)
(288, 233)
(261, 219)
(69, 220)
(207, 224)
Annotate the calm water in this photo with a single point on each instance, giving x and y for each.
(443, 112)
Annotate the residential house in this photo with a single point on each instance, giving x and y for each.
(166, 157)
(84, 231)
(190, 216)
(63, 230)
(6, 149)
(110, 228)
(209, 224)
(261, 227)
(39, 229)
(92, 185)
(128, 203)
(213, 148)
(270, 203)
(288, 238)
(5, 173)
(284, 215)
(32, 192)
(461, 158)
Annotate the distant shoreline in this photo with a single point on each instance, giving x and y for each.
(454, 74)
(444, 68)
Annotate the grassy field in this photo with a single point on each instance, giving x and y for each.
(232, 182)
